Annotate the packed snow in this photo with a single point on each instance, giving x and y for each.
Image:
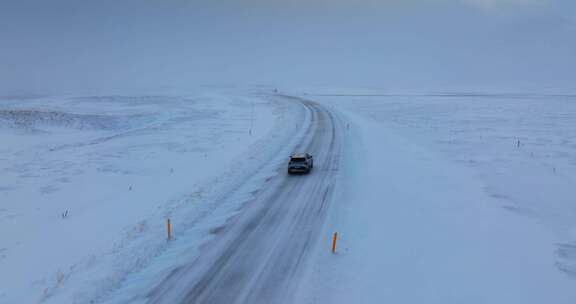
(452, 198)
(88, 182)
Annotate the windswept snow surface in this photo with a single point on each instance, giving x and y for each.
(438, 198)
(87, 183)
(438, 203)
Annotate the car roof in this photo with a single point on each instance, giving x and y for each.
(295, 155)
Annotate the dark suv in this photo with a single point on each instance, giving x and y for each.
(300, 163)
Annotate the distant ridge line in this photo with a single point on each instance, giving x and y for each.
(504, 95)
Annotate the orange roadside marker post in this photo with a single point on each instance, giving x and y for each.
(169, 229)
(334, 239)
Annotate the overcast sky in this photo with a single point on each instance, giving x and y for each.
(65, 45)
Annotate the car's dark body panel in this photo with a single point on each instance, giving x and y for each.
(300, 163)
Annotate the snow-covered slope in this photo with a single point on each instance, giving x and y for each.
(86, 183)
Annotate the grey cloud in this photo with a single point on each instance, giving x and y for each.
(66, 45)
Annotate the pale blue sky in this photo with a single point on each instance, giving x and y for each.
(64, 45)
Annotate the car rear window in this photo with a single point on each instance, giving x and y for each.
(298, 159)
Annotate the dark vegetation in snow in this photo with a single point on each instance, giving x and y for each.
(31, 119)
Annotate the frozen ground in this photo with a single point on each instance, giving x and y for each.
(87, 182)
(438, 198)
(452, 198)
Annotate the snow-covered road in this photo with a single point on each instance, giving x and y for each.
(261, 250)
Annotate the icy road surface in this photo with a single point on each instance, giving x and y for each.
(259, 252)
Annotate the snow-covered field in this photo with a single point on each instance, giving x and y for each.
(441, 198)
(86, 183)
(453, 198)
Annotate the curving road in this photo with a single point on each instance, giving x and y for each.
(259, 255)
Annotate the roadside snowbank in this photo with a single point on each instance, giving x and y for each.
(87, 182)
(521, 146)
(417, 227)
